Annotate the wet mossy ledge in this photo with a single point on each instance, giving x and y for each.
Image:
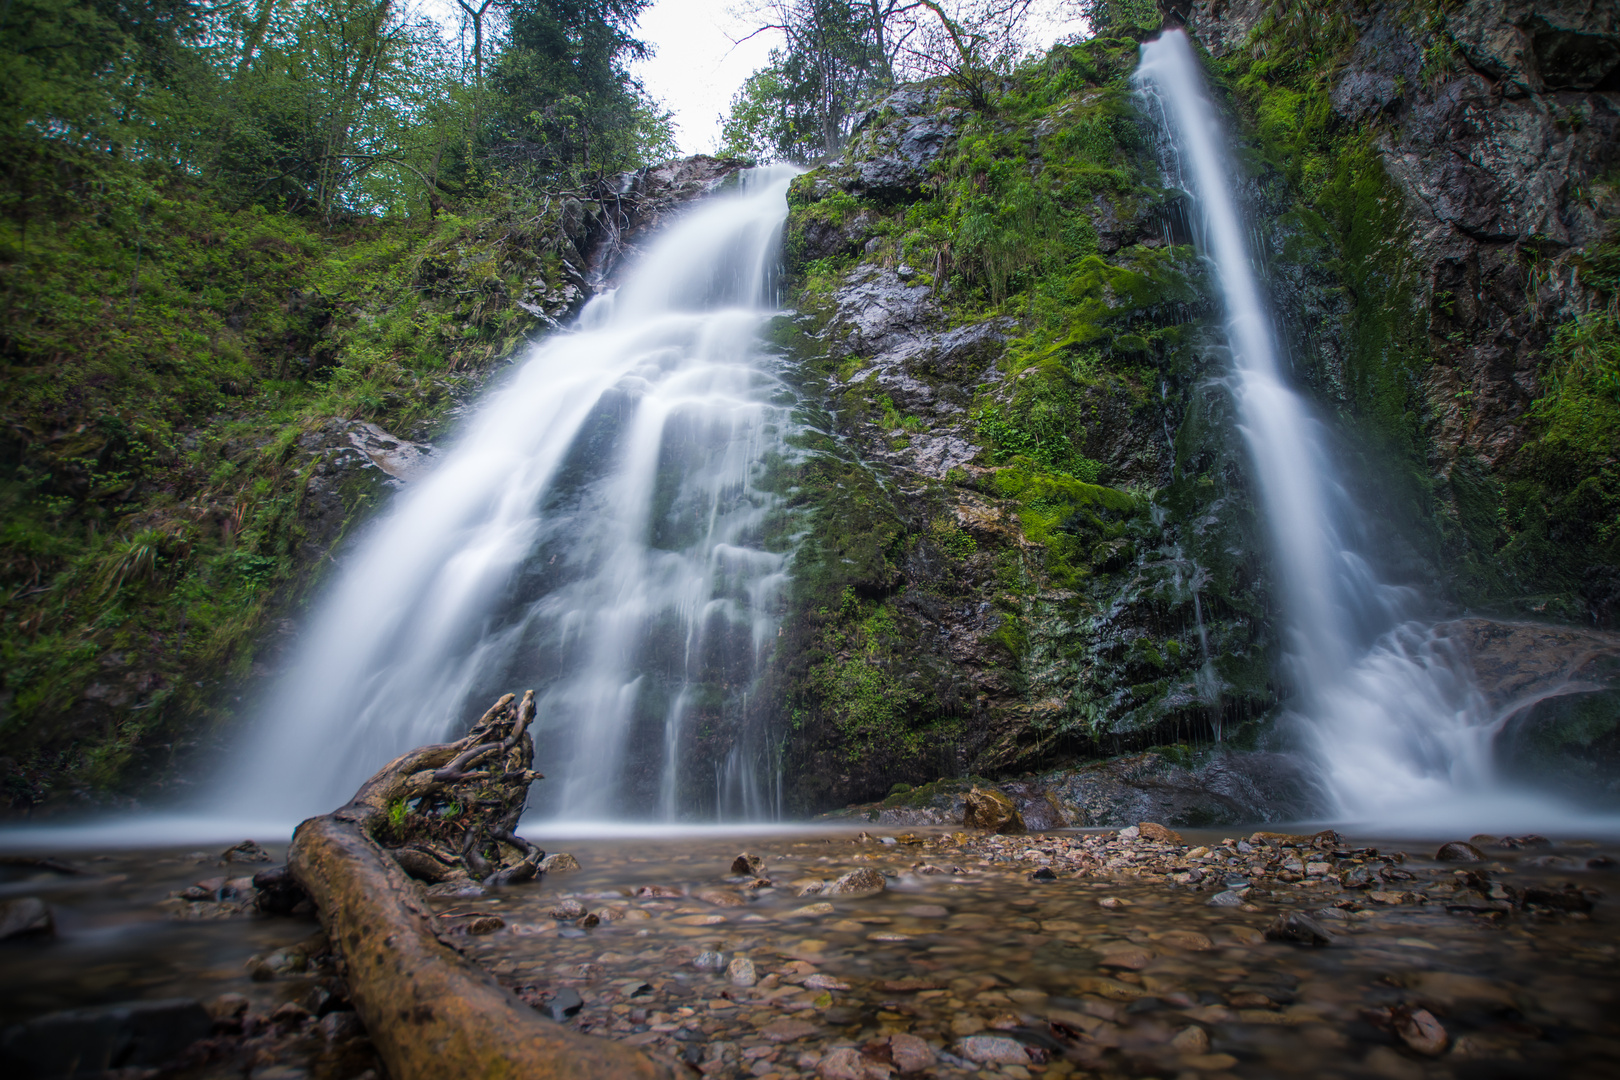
(1028, 545)
(203, 405)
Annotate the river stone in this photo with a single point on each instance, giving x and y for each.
(709, 961)
(1228, 898)
(1299, 927)
(1459, 851)
(741, 972)
(558, 862)
(1191, 1040)
(1158, 834)
(786, 1031)
(846, 1063)
(989, 809)
(1419, 1030)
(910, 1054)
(862, 882)
(247, 851)
(25, 915)
(89, 1042)
(746, 865)
(992, 1050)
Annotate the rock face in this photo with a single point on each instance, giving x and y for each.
(1035, 543)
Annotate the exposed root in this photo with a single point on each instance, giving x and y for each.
(439, 813)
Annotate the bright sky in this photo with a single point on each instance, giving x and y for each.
(698, 67)
(698, 64)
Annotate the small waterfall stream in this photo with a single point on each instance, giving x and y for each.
(596, 533)
(1391, 715)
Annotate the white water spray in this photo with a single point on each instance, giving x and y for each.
(595, 534)
(1401, 733)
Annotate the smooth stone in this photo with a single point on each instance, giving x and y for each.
(558, 862)
(1191, 1040)
(1229, 898)
(784, 1031)
(1459, 851)
(564, 1003)
(741, 972)
(845, 1063)
(746, 865)
(992, 1050)
(813, 909)
(1158, 834)
(910, 1054)
(862, 882)
(1419, 1030)
(1298, 927)
(23, 916)
(709, 961)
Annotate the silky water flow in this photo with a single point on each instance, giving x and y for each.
(1398, 730)
(596, 532)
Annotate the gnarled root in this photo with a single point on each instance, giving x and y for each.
(450, 809)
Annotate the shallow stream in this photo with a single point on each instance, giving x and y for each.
(1121, 969)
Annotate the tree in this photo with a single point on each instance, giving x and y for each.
(568, 105)
(838, 53)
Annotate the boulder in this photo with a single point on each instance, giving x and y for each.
(989, 809)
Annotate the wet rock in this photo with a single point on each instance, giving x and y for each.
(227, 1010)
(558, 862)
(1298, 927)
(1129, 957)
(1113, 903)
(289, 1014)
(1158, 834)
(567, 908)
(1228, 898)
(1043, 874)
(989, 809)
(741, 972)
(746, 865)
(911, 1054)
(1459, 851)
(339, 1026)
(709, 961)
(277, 893)
(25, 916)
(1190, 1040)
(486, 924)
(564, 1004)
(1419, 1030)
(248, 852)
(1568, 898)
(89, 1042)
(786, 1031)
(862, 882)
(846, 1063)
(992, 1050)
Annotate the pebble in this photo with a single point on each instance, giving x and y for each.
(1421, 1031)
(558, 862)
(741, 972)
(1191, 1040)
(785, 1031)
(862, 882)
(1459, 851)
(910, 1054)
(992, 1050)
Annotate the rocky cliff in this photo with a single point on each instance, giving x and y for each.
(1033, 541)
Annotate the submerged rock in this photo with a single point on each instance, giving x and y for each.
(27, 915)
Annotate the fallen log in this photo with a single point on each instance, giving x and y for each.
(438, 813)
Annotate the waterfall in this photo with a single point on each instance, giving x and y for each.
(1391, 715)
(595, 532)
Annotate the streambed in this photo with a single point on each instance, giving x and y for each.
(1126, 969)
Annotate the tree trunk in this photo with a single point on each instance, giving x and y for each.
(431, 1012)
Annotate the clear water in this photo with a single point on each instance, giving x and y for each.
(596, 533)
(1393, 716)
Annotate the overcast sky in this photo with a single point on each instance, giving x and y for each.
(698, 64)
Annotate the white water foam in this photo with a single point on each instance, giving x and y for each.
(594, 533)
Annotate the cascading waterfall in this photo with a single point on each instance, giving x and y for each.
(596, 533)
(1393, 717)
